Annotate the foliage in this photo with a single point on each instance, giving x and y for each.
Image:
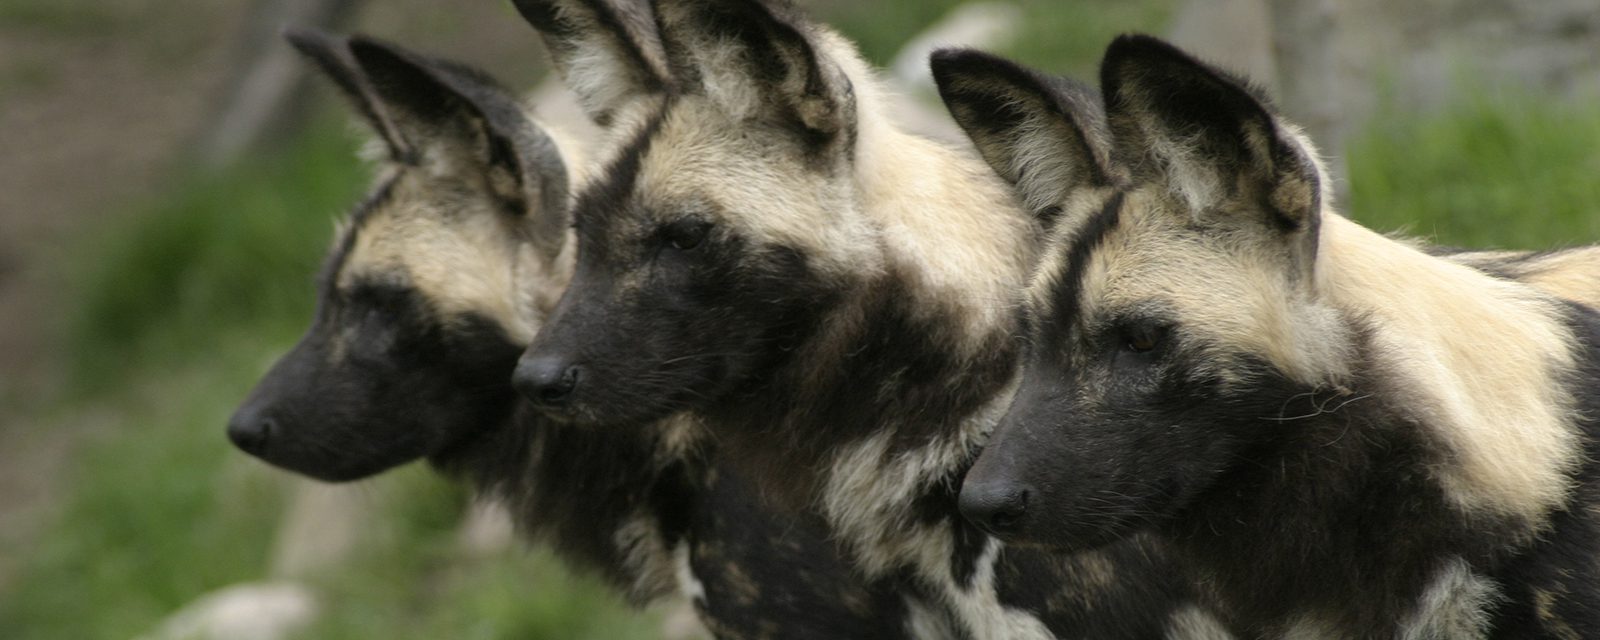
(233, 252)
(1486, 173)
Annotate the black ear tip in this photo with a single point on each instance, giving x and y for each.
(311, 41)
(951, 65)
(373, 54)
(539, 13)
(1144, 48)
(363, 46)
(1138, 42)
(1132, 51)
(955, 59)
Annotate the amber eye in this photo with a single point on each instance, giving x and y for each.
(1143, 339)
(686, 235)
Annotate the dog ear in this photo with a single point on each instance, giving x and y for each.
(1044, 134)
(757, 59)
(331, 54)
(606, 51)
(1214, 142)
(459, 120)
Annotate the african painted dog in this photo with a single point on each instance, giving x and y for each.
(825, 295)
(1337, 434)
(435, 285)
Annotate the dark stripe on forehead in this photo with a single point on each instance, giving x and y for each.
(616, 182)
(358, 219)
(1069, 286)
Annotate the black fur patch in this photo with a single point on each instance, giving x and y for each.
(1106, 595)
(766, 575)
(937, 507)
(598, 200)
(825, 392)
(1551, 590)
(1067, 290)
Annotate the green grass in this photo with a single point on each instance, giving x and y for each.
(227, 253)
(880, 28)
(1513, 174)
(1058, 36)
(1069, 37)
(156, 515)
(178, 308)
(61, 17)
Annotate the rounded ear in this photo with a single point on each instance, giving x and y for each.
(331, 54)
(607, 51)
(757, 58)
(1044, 134)
(1210, 137)
(458, 119)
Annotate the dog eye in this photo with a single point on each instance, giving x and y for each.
(1143, 338)
(686, 235)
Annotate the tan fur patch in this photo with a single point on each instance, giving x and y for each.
(1480, 357)
(1238, 296)
(1544, 602)
(441, 234)
(1483, 356)
(1573, 274)
(460, 262)
(909, 198)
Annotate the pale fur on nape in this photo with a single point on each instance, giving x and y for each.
(924, 194)
(1573, 274)
(1480, 360)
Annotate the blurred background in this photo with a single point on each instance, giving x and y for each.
(169, 181)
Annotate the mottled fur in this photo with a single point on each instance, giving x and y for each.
(1339, 434)
(433, 287)
(830, 297)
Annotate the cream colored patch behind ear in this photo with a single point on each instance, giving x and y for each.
(460, 262)
(1573, 274)
(1482, 361)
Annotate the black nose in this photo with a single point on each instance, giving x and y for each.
(547, 380)
(997, 509)
(251, 430)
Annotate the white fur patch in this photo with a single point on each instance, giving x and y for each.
(688, 584)
(652, 567)
(927, 621)
(1190, 622)
(1455, 606)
